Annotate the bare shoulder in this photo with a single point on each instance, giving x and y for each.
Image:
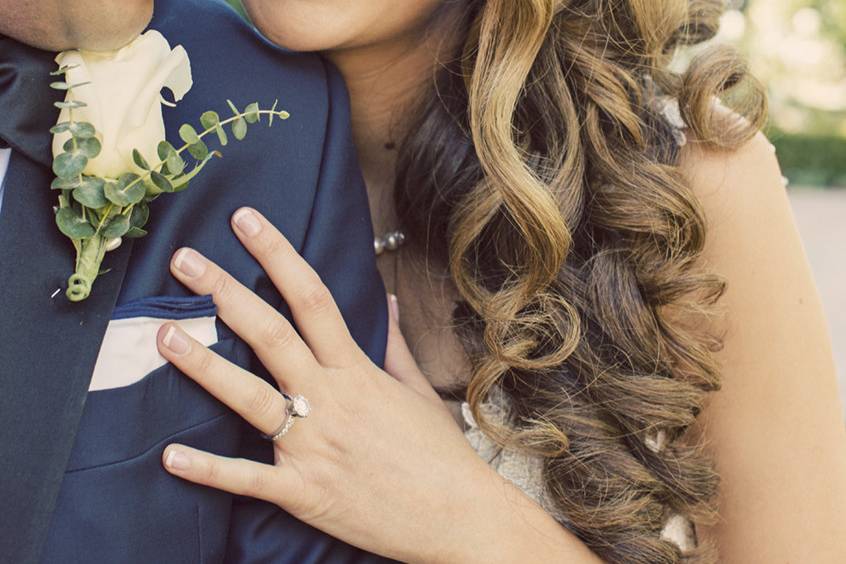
(752, 239)
(776, 427)
(748, 176)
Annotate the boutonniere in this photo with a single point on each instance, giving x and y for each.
(110, 155)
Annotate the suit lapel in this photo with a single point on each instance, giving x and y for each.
(48, 348)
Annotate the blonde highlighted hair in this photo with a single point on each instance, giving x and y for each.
(543, 175)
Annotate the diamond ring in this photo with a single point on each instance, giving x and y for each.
(295, 406)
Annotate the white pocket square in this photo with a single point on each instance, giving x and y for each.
(129, 352)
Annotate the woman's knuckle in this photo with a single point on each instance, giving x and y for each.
(211, 472)
(205, 361)
(262, 400)
(256, 483)
(317, 298)
(272, 245)
(222, 287)
(279, 333)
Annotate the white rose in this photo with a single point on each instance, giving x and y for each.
(124, 99)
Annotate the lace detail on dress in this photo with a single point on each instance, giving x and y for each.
(526, 471)
(669, 108)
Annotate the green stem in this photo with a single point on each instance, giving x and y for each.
(184, 148)
(87, 268)
(104, 218)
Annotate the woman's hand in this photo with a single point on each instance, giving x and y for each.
(379, 461)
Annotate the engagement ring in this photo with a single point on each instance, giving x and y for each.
(296, 406)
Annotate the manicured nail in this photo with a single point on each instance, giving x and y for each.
(176, 341)
(394, 305)
(247, 222)
(189, 263)
(177, 460)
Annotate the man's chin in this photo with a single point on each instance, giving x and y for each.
(88, 43)
(56, 31)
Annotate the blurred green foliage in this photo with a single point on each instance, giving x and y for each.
(238, 7)
(811, 160)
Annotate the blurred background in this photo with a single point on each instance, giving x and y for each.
(798, 49)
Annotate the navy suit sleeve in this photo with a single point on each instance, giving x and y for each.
(339, 246)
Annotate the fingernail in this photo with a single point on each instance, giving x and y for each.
(176, 341)
(189, 263)
(177, 460)
(247, 222)
(394, 306)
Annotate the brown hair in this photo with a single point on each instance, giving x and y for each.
(544, 176)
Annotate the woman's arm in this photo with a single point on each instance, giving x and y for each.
(776, 429)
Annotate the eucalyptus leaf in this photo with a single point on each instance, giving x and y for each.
(59, 85)
(209, 119)
(252, 113)
(234, 108)
(91, 193)
(174, 163)
(188, 134)
(165, 150)
(161, 182)
(284, 115)
(71, 105)
(139, 160)
(199, 150)
(63, 69)
(126, 191)
(117, 227)
(140, 215)
(239, 129)
(90, 146)
(60, 127)
(60, 183)
(135, 233)
(82, 129)
(94, 218)
(221, 135)
(272, 113)
(68, 165)
(72, 224)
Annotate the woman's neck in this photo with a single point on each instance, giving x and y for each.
(384, 81)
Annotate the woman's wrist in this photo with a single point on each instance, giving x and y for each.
(494, 521)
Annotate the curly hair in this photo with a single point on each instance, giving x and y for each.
(544, 177)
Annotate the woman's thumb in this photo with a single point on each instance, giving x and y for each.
(399, 362)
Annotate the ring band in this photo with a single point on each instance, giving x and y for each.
(296, 406)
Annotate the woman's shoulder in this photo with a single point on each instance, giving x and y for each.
(750, 170)
(743, 196)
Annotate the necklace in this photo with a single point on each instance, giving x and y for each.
(390, 241)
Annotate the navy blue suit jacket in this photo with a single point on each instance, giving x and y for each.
(80, 473)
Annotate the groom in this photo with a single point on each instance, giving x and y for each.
(80, 474)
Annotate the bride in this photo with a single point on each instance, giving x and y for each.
(588, 249)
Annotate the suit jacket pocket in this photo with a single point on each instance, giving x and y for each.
(123, 423)
(117, 503)
(129, 352)
(132, 511)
